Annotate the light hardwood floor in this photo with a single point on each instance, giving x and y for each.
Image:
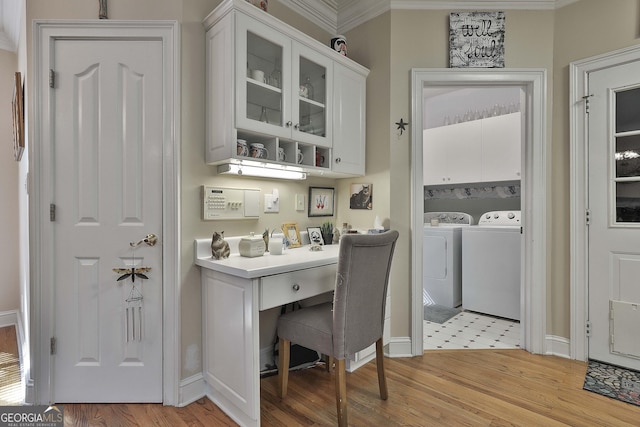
(441, 388)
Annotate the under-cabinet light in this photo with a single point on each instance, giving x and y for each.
(262, 170)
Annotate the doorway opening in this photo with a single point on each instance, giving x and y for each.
(472, 167)
(533, 262)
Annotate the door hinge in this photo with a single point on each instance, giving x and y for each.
(53, 345)
(586, 103)
(52, 212)
(588, 328)
(52, 78)
(587, 216)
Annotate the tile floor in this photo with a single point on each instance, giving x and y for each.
(471, 330)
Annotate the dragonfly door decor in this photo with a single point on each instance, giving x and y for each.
(133, 312)
(132, 272)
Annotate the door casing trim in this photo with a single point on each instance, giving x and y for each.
(45, 32)
(534, 191)
(578, 137)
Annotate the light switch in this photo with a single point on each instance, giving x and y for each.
(271, 203)
(299, 202)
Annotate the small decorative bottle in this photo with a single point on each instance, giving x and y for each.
(263, 115)
(275, 77)
(309, 87)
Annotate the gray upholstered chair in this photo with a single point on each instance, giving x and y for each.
(355, 318)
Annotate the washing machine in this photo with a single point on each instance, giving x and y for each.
(491, 261)
(442, 257)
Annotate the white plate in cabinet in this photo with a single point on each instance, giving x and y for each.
(284, 288)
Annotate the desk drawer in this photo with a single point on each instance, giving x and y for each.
(284, 288)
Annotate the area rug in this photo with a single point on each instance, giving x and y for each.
(613, 381)
(438, 313)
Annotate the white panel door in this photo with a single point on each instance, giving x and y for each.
(107, 181)
(614, 205)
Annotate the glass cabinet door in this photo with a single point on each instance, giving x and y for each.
(627, 156)
(263, 70)
(312, 77)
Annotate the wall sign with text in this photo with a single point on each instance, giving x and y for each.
(476, 40)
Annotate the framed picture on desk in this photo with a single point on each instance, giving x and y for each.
(292, 234)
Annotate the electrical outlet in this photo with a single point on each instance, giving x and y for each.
(299, 202)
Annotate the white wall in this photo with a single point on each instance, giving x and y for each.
(9, 246)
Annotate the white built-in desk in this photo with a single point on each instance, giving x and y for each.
(234, 291)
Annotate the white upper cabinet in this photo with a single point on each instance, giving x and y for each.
(452, 154)
(501, 148)
(349, 94)
(269, 83)
(485, 150)
(283, 87)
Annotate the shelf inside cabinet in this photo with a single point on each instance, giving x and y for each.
(311, 102)
(308, 153)
(265, 95)
(269, 143)
(290, 154)
(312, 117)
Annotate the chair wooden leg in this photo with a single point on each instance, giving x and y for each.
(341, 392)
(284, 354)
(329, 361)
(382, 380)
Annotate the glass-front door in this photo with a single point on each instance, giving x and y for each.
(627, 156)
(313, 76)
(263, 63)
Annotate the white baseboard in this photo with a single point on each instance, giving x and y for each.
(191, 389)
(558, 346)
(399, 347)
(8, 318)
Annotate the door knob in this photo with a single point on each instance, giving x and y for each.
(150, 240)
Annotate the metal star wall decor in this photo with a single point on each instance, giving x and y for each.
(401, 125)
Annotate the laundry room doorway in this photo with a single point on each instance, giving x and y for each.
(530, 83)
(472, 165)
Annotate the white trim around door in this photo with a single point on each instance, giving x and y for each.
(44, 33)
(534, 82)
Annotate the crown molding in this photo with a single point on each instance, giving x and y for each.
(480, 4)
(10, 14)
(323, 13)
(340, 16)
(352, 13)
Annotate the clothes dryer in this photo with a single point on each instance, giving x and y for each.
(491, 278)
(442, 257)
